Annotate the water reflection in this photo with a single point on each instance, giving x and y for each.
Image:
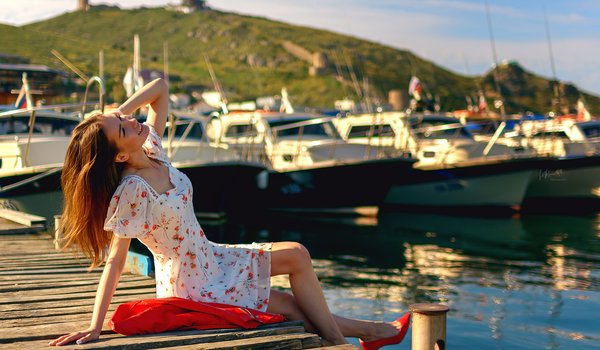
(528, 282)
(519, 283)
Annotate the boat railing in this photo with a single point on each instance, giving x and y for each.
(333, 141)
(32, 110)
(102, 92)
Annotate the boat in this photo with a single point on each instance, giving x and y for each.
(223, 181)
(453, 172)
(31, 162)
(310, 167)
(571, 181)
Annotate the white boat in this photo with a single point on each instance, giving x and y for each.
(223, 181)
(453, 170)
(571, 181)
(310, 166)
(31, 162)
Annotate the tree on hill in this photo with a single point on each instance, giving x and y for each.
(195, 4)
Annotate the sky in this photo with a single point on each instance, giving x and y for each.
(452, 33)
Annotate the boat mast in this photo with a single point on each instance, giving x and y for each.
(555, 84)
(500, 100)
(217, 85)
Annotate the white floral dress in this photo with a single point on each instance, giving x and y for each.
(187, 264)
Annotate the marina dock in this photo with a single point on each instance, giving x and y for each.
(45, 294)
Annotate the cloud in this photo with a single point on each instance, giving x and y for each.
(447, 32)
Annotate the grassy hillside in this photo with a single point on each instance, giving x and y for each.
(228, 39)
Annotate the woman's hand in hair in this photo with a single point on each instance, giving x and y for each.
(81, 337)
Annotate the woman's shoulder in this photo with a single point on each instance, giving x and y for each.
(153, 145)
(133, 184)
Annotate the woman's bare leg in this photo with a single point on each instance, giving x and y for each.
(285, 304)
(293, 259)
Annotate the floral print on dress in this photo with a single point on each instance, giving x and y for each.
(187, 264)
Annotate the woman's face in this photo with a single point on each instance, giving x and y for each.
(125, 132)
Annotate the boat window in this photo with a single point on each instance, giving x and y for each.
(324, 129)
(551, 134)
(241, 130)
(592, 131)
(358, 131)
(196, 133)
(43, 125)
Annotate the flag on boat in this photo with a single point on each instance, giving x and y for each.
(482, 103)
(414, 88)
(21, 98)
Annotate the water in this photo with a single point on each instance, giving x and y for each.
(511, 283)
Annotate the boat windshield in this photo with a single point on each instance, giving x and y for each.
(196, 133)
(324, 129)
(440, 129)
(591, 131)
(361, 131)
(43, 125)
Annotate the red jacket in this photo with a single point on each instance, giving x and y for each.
(167, 314)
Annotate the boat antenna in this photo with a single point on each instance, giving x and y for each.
(500, 101)
(340, 73)
(70, 65)
(353, 75)
(555, 84)
(101, 64)
(217, 85)
(166, 61)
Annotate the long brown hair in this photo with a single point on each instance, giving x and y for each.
(89, 179)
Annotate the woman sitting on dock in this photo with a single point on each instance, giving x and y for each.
(118, 184)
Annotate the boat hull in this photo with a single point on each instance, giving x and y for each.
(223, 187)
(357, 184)
(565, 184)
(40, 180)
(478, 187)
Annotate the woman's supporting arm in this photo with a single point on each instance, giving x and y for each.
(156, 94)
(106, 289)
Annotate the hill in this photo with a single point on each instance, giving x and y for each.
(251, 58)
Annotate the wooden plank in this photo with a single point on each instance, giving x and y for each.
(20, 237)
(47, 255)
(27, 336)
(65, 310)
(45, 277)
(49, 271)
(272, 342)
(29, 260)
(70, 289)
(50, 265)
(22, 218)
(14, 286)
(76, 302)
(67, 297)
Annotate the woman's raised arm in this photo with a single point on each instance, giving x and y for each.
(106, 289)
(156, 94)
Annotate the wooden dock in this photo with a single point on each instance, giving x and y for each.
(45, 294)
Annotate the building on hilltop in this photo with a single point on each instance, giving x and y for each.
(83, 5)
(189, 6)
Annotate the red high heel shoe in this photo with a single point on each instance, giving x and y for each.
(404, 323)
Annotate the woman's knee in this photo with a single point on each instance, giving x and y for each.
(290, 257)
(300, 255)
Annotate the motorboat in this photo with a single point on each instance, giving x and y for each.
(309, 165)
(454, 171)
